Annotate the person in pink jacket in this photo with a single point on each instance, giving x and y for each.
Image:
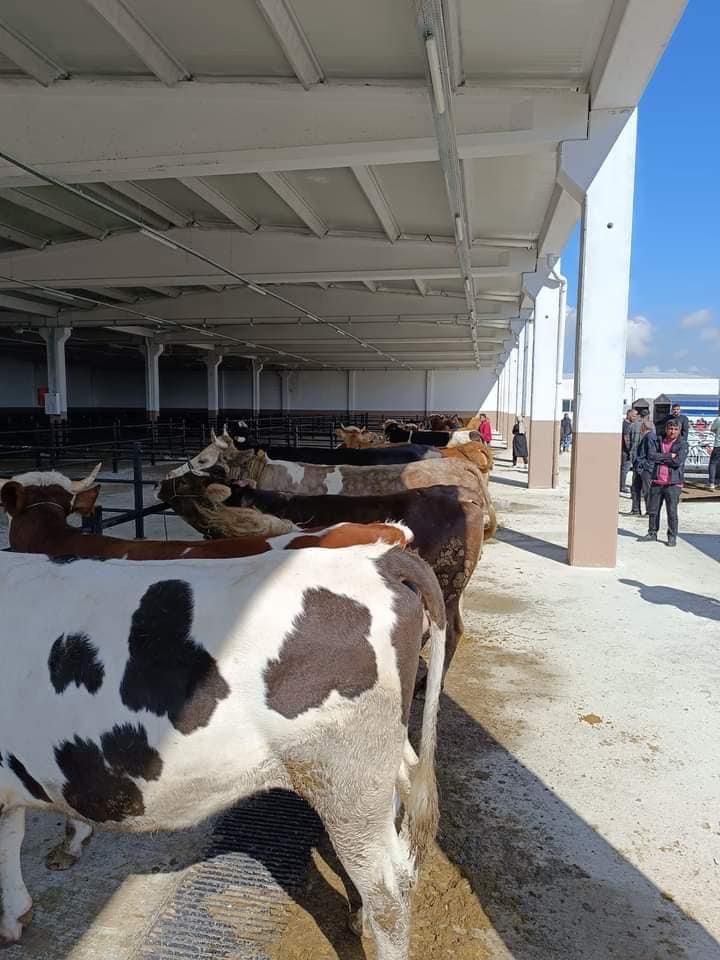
(485, 429)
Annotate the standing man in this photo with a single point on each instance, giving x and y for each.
(566, 432)
(666, 459)
(714, 468)
(630, 441)
(677, 414)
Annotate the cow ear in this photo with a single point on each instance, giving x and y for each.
(12, 496)
(84, 502)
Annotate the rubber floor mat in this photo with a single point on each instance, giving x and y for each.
(232, 903)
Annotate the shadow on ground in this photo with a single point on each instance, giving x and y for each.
(695, 603)
(707, 543)
(524, 541)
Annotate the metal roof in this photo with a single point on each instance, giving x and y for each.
(301, 146)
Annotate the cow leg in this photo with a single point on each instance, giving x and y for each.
(15, 902)
(380, 867)
(67, 853)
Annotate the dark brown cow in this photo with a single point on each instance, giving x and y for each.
(446, 522)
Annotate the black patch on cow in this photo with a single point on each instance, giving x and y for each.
(327, 649)
(167, 672)
(126, 749)
(74, 659)
(98, 784)
(30, 783)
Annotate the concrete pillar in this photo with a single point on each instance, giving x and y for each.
(285, 390)
(152, 378)
(429, 392)
(527, 367)
(55, 339)
(350, 392)
(559, 358)
(602, 310)
(256, 370)
(542, 404)
(519, 329)
(212, 363)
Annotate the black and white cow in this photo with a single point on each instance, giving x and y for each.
(145, 696)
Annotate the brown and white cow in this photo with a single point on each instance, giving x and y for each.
(446, 524)
(155, 695)
(39, 503)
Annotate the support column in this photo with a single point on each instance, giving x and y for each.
(285, 390)
(257, 368)
(560, 358)
(212, 363)
(602, 310)
(350, 393)
(152, 379)
(55, 339)
(429, 392)
(527, 369)
(542, 404)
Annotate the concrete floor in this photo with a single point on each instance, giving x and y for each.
(578, 758)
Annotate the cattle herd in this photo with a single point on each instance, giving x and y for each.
(282, 650)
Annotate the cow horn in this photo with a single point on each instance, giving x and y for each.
(213, 435)
(77, 486)
(225, 431)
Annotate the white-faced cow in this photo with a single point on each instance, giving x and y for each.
(161, 693)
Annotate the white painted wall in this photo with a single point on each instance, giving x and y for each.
(235, 389)
(467, 390)
(18, 382)
(318, 390)
(388, 391)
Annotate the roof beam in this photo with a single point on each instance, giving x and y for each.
(220, 203)
(171, 292)
(27, 56)
(370, 186)
(22, 238)
(144, 199)
(371, 285)
(123, 203)
(49, 210)
(113, 293)
(421, 286)
(285, 190)
(295, 45)
(206, 129)
(451, 17)
(147, 47)
(27, 306)
(634, 40)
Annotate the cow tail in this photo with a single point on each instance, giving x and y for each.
(422, 810)
(490, 514)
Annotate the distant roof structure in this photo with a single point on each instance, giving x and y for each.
(365, 184)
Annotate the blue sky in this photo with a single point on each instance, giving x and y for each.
(674, 322)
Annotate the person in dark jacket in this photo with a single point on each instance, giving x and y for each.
(676, 414)
(666, 457)
(630, 441)
(566, 432)
(519, 443)
(642, 472)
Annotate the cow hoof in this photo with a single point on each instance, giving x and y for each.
(60, 858)
(11, 930)
(26, 919)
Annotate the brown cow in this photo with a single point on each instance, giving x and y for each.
(39, 504)
(313, 478)
(358, 438)
(446, 523)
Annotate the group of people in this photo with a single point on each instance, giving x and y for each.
(656, 455)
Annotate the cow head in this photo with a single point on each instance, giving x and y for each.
(39, 488)
(220, 448)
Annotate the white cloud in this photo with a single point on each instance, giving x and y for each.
(711, 335)
(700, 318)
(650, 370)
(640, 332)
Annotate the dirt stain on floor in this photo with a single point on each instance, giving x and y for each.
(447, 918)
(591, 718)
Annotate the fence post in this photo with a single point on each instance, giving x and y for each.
(138, 493)
(116, 447)
(183, 436)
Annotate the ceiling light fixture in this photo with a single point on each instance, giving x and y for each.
(433, 57)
